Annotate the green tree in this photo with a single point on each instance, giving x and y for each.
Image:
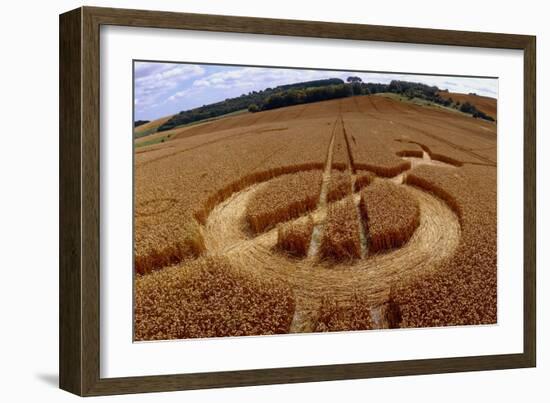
(467, 107)
(354, 79)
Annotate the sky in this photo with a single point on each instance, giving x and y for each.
(162, 89)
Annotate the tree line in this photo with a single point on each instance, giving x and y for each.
(140, 122)
(241, 102)
(314, 91)
(355, 86)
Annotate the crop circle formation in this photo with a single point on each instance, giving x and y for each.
(341, 215)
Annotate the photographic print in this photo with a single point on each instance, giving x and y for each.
(273, 200)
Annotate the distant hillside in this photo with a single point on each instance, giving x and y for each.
(321, 90)
(149, 127)
(140, 122)
(355, 86)
(487, 105)
(230, 105)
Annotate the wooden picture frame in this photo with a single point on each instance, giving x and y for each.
(79, 201)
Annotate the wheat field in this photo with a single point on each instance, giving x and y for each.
(351, 214)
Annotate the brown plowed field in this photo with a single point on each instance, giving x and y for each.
(194, 192)
(484, 104)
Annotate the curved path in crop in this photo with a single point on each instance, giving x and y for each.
(435, 240)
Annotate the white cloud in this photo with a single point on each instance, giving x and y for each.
(481, 86)
(258, 77)
(179, 94)
(154, 82)
(163, 88)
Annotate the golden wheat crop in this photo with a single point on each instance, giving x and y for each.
(391, 215)
(209, 297)
(199, 172)
(294, 237)
(152, 125)
(455, 146)
(464, 290)
(340, 239)
(452, 137)
(370, 150)
(339, 185)
(410, 153)
(183, 184)
(362, 179)
(336, 317)
(340, 159)
(286, 197)
(184, 240)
